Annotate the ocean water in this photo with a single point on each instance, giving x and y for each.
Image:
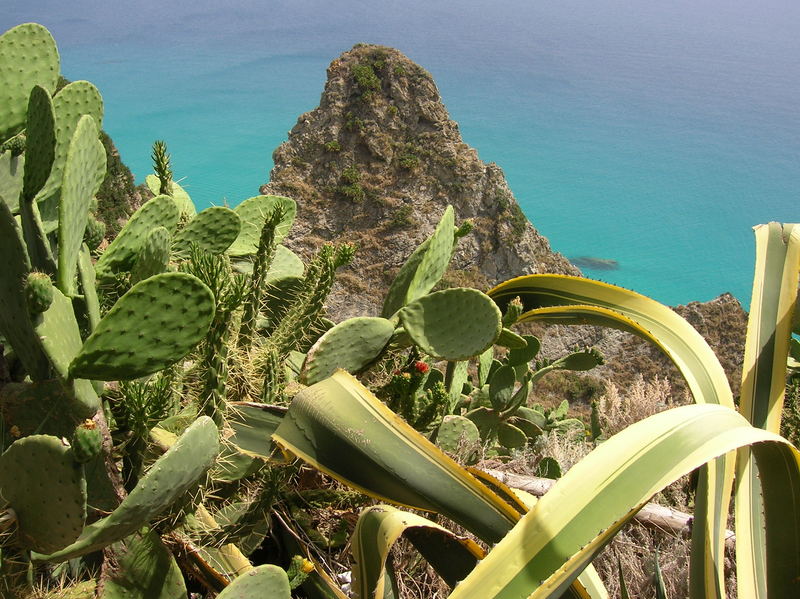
(651, 134)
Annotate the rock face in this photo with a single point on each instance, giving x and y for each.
(377, 163)
(721, 321)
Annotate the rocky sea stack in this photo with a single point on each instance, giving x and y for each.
(377, 163)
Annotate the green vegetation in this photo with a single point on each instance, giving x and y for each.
(350, 187)
(199, 389)
(333, 146)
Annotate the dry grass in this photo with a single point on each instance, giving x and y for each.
(620, 408)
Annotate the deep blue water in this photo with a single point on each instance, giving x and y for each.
(653, 134)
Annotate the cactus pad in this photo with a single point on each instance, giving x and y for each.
(46, 488)
(58, 333)
(350, 345)
(15, 324)
(253, 213)
(457, 433)
(84, 170)
(41, 141)
(153, 256)
(11, 177)
(28, 57)
(454, 324)
(178, 193)
(173, 474)
(121, 253)
(424, 267)
(94, 233)
(213, 230)
(146, 570)
(267, 580)
(525, 354)
(87, 278)
(155, 324)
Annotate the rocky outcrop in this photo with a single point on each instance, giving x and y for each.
(377, 163)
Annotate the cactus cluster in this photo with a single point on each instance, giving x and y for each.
(135, 367)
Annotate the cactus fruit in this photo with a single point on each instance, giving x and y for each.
(121, 253)
(94, 233)
(38, 293)
(84, 170)
(253, 212)
(15, 324)
(213, 230)
(28, 57)
(156, 323)
(87, 441)
(41, 482)
(351, 345)
(266, 580)
(454, 324)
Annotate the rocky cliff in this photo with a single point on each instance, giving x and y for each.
(377, 163)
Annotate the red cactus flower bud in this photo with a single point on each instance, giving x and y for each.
(421, 367)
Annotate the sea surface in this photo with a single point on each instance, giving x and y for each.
(649, 135)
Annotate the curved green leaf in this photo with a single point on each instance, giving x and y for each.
(559, 537)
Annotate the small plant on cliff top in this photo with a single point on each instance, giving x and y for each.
(368, 82)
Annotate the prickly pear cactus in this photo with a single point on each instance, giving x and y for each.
(454, 324)
(38, 292)
(87, 441)
(178, 193)
(40, 141)
(350, 345)
(28, 57)
(121, 253)
(424, 267)
(213, 230)
(253, 212)
(153, 256)
(459, 435)
(146, 570)
(84, 169)
(45, 487)
(153, 325)
(71, 104)
(173, 474)
(267, 580)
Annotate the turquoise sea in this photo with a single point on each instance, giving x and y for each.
(654, 134)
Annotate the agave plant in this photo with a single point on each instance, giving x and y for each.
(546, 549)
